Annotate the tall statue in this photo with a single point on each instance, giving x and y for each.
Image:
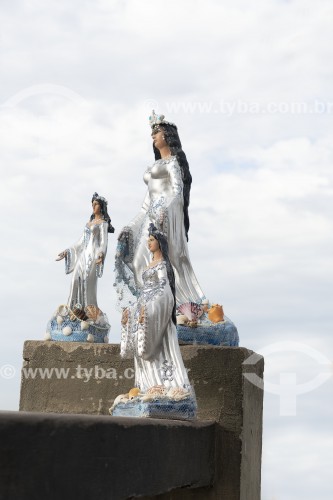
(81, 319)
(162, 388)
(166, 206)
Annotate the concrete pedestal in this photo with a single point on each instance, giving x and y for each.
(88, 457)
(80, 378)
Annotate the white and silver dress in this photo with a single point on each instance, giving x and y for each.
(154, 343)
(81, 260)
(163, 206)
(81, 319)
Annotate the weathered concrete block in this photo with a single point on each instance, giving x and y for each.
(88, 457)
(217, 374)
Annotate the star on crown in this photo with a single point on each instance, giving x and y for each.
(155, 120)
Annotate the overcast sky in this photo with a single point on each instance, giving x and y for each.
(249, 85)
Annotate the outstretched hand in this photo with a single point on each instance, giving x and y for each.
(62, 255)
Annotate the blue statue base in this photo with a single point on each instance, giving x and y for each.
(66, 329)
(222, 334)
(174, 410)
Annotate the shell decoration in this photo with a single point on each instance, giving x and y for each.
(62, 310)
(90, 338)
(181, 319)
(133, 393)
(178, 393)
(205, 305)
(92, 312)
(155, 392)
(157, 389)
(79, 313)
(84, 325)
(47, 336)
(67, 330)
(122, 398)
(191, 310)
(215, 313)
(106, 339)
(60, 320)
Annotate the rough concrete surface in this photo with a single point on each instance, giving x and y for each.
(223, 395)
(52, 456)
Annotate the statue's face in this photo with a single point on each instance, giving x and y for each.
(153, 244)
(96, 207)
(158, 138)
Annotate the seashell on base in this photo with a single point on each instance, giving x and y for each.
(47, 336)
(60, 320)
(79, 313)
(157, 389)
(84, 325)
(181, 319)
(122, 398)
(90, 338)
(133, 393)
(178, 393)
(92, 312)
(191, 310)
(62, 310)
(215, 313)
(155, 392)
(205, 305)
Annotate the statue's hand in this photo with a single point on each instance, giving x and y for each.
(62, 255)
(124, 318)
(99, 259)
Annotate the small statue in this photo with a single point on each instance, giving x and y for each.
(149, 335)
(81, 319)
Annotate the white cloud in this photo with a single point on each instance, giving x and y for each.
(78, 82)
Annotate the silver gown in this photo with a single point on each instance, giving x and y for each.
(154, 343)
(163, 206)
(81, 260)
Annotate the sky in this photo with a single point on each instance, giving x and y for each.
(249, 85)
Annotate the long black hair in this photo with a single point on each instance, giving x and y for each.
(104, 210)
(172, 139)
(163, 244)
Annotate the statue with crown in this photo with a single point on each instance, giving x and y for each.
(166, 206)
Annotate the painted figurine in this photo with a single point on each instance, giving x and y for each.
(81, 319)
(166, 206)
(149, 336)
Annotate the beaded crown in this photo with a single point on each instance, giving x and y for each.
(152, 230)
(96, 196)
(155, 120)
